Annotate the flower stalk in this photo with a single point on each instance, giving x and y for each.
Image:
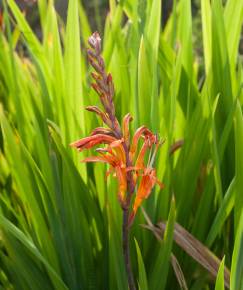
(128, 164)
(126, 249)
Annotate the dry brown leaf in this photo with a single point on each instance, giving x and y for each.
(197, 251)
(178, 272)
(192, 247)
(174, 262)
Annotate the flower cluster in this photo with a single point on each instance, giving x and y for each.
(121, 152)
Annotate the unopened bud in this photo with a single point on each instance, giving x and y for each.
(96, 88)
(95, 42)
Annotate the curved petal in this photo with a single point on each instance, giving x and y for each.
(146, 185)
(119, 149)
(102, 130)
(125, 128)
(122, 182)
(103, 159)
(141, 155)
(91, 141)
(108, 152)
(138, 134)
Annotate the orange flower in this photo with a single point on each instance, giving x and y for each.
(146, 185)
(114, 154)
(120, 151)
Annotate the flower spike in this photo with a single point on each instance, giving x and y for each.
(124, 153)
(125, 156)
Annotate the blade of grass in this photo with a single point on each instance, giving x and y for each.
(15, 232)
(220, 277)
(142, 281)
(238, 165)
(236, 278)
(158, 277)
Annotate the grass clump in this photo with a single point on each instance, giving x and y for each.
(59, 221)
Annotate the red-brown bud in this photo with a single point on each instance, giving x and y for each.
(96, 88)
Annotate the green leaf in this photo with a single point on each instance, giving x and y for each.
(222, 214)
(206, 27)
(119, 280)
(233, 16)
(220, 277)
(72, 64)
(24, 27)
(238, 164)
(158, 277)
(144, 86)
(236, 277)
(15, 232)
(185, 36)
(142, 281)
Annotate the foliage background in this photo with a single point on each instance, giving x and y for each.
(60, 220)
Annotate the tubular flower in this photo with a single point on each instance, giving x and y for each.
(120, 150)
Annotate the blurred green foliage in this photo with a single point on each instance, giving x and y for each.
(60, 222)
